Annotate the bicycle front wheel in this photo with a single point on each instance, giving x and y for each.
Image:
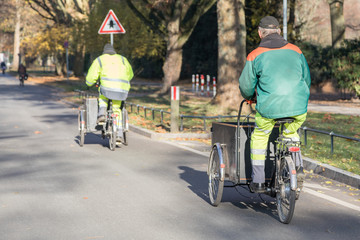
(285, 197)
(81, 124)
(112, 139)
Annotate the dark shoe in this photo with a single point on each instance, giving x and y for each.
(257, 187)
(101, 119)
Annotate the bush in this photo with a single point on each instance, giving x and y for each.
(346, 66)
(318, 60)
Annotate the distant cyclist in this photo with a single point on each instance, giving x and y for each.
(3, 67)
(22, 74)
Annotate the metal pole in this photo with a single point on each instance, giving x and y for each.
(285, 19)
(111, 39)
(67, 64)
(332, 142)
(181, 123)
(305, 135)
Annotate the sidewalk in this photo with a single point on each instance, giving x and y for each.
(336, 109)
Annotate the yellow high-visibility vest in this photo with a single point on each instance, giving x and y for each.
(115, 74)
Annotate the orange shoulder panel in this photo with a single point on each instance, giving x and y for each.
(292, 47)
(256, 53)
(261, 50)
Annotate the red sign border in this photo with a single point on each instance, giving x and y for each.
(122, 29)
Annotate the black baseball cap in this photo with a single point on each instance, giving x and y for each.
(269, 22)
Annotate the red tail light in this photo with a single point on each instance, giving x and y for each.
(294, 149)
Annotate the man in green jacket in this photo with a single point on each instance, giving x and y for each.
(115, 73)
(277, 75)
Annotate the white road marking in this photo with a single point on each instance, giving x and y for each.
(331, 199)
(205, 154)
(305, 189)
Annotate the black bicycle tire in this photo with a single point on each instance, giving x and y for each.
(82, 131)
(112, 139)
(125, 139)
(216, 185)
(290, 195)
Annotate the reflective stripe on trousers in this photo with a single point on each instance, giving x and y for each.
(116, 104)
(260, 139)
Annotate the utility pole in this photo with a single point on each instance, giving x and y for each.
(285, 19)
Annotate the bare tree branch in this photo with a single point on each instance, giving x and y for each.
(144, 19)
(353, 27)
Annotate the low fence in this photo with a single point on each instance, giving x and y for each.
(331, 134)
(182, 116)
(145, 109)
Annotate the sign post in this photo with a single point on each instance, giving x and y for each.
(175, 108)
(111, 25)
(66, 46)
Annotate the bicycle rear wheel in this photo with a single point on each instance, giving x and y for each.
(81, 124)
(125, 123)
(285, 197)
(216, 184)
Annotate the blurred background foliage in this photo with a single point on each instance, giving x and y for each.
(146, 49)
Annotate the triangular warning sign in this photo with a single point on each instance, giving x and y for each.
(111, 24)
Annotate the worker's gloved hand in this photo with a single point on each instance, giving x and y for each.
(251, 101)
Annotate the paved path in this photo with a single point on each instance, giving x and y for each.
(338, 109)
(51, 188)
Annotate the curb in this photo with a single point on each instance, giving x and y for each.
(319, 168)
(331, 172)
(161, 136)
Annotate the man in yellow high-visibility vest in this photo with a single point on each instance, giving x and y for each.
(115, 73)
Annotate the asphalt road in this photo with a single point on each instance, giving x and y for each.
(51, 188)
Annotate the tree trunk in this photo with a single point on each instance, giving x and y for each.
(337, 22)
(232, 50)
(15, 64)
(78, 67)
(173, 60)
(60, 65)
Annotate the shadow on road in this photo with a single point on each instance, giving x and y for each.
(238, 196)
(93, 139)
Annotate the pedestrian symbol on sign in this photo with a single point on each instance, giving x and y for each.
(111, 24)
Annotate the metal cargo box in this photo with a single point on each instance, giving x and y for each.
(238, 168)
(91, 105)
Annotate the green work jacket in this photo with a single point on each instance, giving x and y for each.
(281, 78)
(115, 74)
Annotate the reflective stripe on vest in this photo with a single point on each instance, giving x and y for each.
(99, 62)
(114, 89)
(115, 80)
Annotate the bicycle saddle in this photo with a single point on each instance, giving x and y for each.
(285, 120)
